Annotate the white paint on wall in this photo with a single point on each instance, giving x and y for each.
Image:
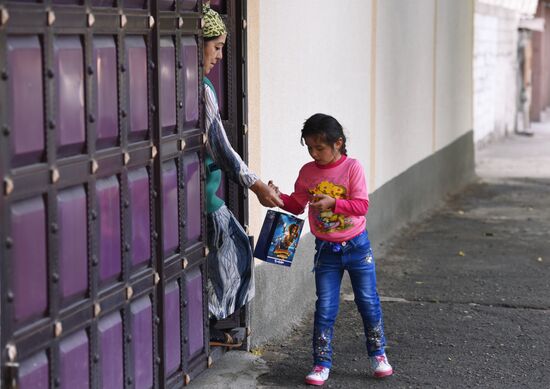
(404, 85)
(454, 87)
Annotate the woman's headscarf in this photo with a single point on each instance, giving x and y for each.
(213, 23)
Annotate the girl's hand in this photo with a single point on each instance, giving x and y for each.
(322, 202)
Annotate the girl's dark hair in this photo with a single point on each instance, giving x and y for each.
(325, 127)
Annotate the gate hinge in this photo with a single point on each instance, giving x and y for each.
(11, 374)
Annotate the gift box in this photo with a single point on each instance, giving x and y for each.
(278, 238)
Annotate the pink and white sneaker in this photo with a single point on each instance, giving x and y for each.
(381, 366)
(317, 376)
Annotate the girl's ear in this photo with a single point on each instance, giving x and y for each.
(338, 144)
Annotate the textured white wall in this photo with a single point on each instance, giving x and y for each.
(495, 70)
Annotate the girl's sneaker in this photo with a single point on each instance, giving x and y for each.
(381, 366)
(317, 376)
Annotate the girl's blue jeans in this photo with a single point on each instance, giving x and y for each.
(331, 260)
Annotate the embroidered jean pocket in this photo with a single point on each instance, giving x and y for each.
(369, 257)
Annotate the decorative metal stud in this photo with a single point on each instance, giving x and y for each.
(123, 21)
(204, 139)
(153, 151)
(126, 158)
(94, 166)
(97, 309)
(4, 16)
(206, 251)
(157, 278)
(12, 352)
(91, 19)
(8, 186)
(210, 361)
(184, 263)
(51, 18)
(151, 21)
(54, 175)
(245, 129)
(181, 144)
(246, 229)
(202, 23)
(248, 331)
(129, 292)
(180, 22)
(57, 329)
(244, 24)
(186, 379)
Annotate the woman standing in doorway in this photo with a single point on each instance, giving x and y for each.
(230, 262)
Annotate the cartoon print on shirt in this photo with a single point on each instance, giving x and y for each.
(328, 221)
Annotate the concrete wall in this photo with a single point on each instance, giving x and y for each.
(398, 75)
(495, 70)
(495, 65)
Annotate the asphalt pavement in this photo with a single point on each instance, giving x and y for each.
(465, 292)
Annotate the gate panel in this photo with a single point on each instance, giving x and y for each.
(110, 346)
(189, 61)
(34, 372)
(25, 88)
(136, 55)
(73, 361)
(69, 102)
(170, 206)
(108, 195)
(172, 327)
(106, 84)
(142, 339)
(195, 306)
(29, 260)
(167, 72)
(138, 185)
(73, 253)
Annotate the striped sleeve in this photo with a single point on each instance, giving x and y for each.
(218, 145)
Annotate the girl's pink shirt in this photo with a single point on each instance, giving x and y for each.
(343, 180)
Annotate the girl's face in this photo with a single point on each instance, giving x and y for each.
(322, 152)
(213, 52)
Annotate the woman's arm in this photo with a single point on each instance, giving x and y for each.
(227, 158)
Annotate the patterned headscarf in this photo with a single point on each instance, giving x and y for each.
(213, 23)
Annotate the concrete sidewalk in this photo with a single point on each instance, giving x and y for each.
(465, 291)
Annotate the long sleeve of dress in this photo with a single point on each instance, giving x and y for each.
(218, 145)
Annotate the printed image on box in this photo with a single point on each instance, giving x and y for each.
(279, 238)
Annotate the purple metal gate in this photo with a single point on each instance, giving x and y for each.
(102, 225)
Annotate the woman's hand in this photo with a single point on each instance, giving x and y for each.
(274, 187)
(322, 202)
(267, 196)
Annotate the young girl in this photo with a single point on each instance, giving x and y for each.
(334, 186)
